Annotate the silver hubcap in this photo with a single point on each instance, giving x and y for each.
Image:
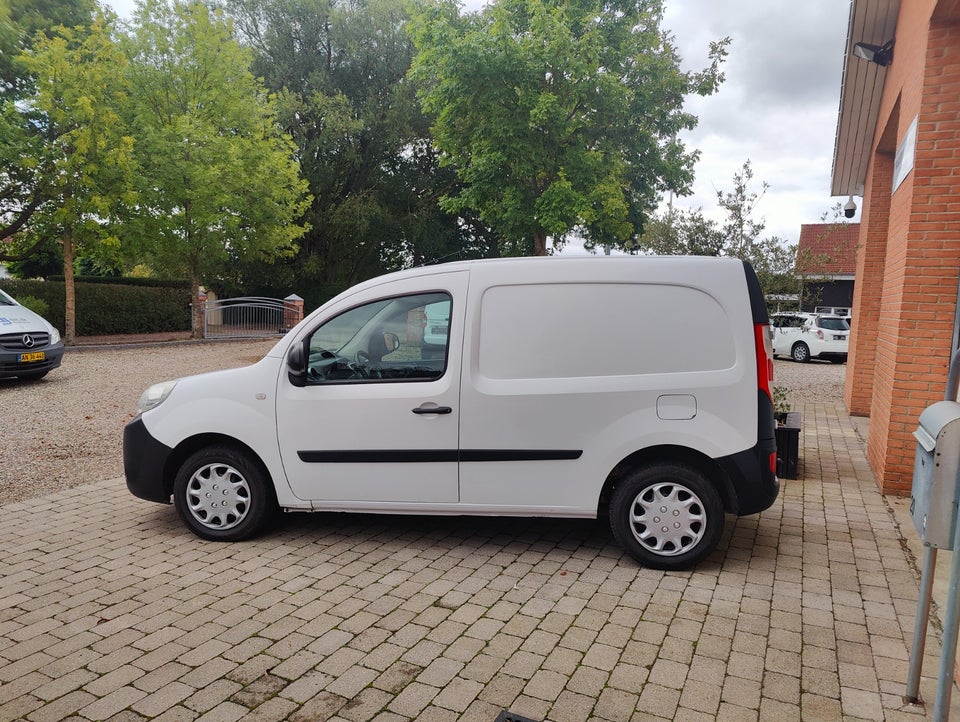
(668, 519)
(218, 496)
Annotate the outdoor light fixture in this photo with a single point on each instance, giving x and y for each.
(880, 54)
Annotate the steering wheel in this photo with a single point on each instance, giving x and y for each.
(363, 364)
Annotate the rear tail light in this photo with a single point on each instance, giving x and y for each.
(764, 350)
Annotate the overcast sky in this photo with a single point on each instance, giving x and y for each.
(778, 105)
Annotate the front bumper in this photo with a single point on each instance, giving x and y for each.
(10, 364)
(144, 461)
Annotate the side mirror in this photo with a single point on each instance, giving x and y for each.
(391, 341)
(297, 365)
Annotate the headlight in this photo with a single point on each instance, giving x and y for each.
(54, 336)
(154, 396)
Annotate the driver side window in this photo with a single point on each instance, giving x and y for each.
(395, 339)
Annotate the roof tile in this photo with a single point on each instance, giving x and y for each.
(829, 248)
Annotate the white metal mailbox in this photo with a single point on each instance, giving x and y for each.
(933, 502)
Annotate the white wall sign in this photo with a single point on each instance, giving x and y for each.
(903, 162)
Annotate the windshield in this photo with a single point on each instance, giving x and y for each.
(5, 300)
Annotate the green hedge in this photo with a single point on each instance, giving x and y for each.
(149, 282)
(112, 308)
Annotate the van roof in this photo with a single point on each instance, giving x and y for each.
(586, 265)
(693, 261)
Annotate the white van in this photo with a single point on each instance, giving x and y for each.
(633, 388)
(30, 346)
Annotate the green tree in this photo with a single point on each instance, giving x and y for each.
(740, 235)
(9, 44)
(219, 182)
(22, 21)
(558, 115)
(24, 178)
(772, 258)
(86, 159)
(682, 233)
(340, 68)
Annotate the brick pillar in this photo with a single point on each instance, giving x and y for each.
(292, 311)
(871, 260)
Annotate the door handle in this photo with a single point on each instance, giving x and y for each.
(433, 410)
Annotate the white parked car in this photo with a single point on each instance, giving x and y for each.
(803, 336)
(564, 387)
(436, 326)
(30, 346)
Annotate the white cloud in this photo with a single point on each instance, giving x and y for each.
(778, 106)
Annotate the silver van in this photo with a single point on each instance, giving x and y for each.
(30, 346)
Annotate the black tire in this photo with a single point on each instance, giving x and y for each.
(223, 495)
(689, 532)
(800, 352)
(838, 359)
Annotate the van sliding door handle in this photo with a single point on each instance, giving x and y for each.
(433, 410)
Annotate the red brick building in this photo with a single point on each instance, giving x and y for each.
(898, 146)
(827, 260)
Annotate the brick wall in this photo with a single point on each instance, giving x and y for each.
(909, 260)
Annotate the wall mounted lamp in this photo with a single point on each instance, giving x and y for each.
(880, 54)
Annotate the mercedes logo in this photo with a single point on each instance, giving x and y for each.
(28, 341)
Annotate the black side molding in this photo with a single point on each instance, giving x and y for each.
(406, 456)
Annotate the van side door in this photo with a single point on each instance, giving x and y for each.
(563, 378)
(377, 418)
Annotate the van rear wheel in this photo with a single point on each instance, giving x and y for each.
(666, 516)
(223, 495)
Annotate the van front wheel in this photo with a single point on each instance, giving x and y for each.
(223, 495)
(666, 516)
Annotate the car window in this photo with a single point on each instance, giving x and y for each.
(393, 339)
(788, 322)
(833, 324)
(6, 300)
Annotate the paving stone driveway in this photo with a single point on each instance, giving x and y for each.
(109, 609)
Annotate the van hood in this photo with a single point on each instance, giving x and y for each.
(20, 319)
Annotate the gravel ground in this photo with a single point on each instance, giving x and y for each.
(810, 383)
(67, 429)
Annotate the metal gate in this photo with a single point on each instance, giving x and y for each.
(249, 316)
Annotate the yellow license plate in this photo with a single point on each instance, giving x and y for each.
(26, 358)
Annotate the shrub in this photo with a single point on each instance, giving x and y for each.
(781, 400)
(37, 305)
(111, 308)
